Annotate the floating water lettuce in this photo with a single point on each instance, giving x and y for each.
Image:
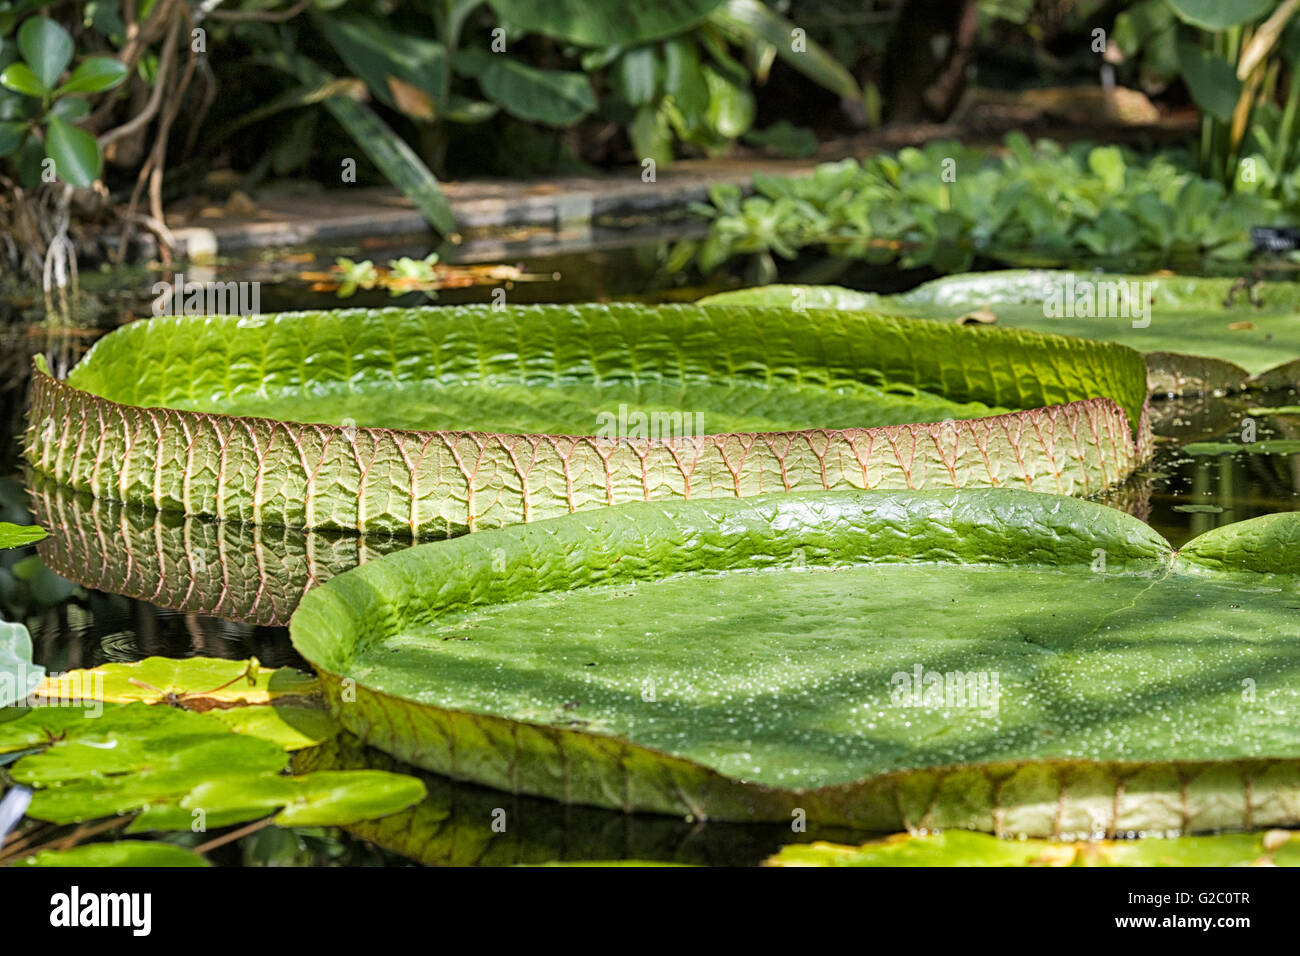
(985, 659)
(433, 422)
(962, 848)
(1198, 333)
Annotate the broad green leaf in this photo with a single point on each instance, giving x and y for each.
(731, 105)
(20, 78)
(962, 848)
(1210, 79)
(551, 97)
(603, 22)
(17, 535)
(684, 79)
(638, 73)
(74, 151)
(879, 660)
(12, 134)
(71, 108)
(18, 675)
(46, 47)
(395, 159)
(651, 134)
(94, 75)
(118, 853)
(753, 19)
(1220, 14)
(377, 54)
(486, 396)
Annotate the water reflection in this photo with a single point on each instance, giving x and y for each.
(460, 824)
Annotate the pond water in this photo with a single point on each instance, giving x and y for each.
(73, 624)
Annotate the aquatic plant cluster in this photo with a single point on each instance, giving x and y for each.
(839, 607)
(797, 573)
(947, 206)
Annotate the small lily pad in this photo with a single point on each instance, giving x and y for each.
(17, 535)
(118, 853)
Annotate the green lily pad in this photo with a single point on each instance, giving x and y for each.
(318, 799)
(198, 683)
(433, 422)
(23, 728)
(962, 848)
(1244, 329)
(16, 535)
(134, 756)
(179, 767)
(118, 853)
(274, 704)
(291, 727)
(987, 659)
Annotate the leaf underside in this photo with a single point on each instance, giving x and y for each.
(184, 414)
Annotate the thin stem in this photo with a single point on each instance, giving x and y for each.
(233, 835)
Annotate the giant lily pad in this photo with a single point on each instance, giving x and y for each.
(985, 659)
(433, 422)
(1198, 332)
(959, 848)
